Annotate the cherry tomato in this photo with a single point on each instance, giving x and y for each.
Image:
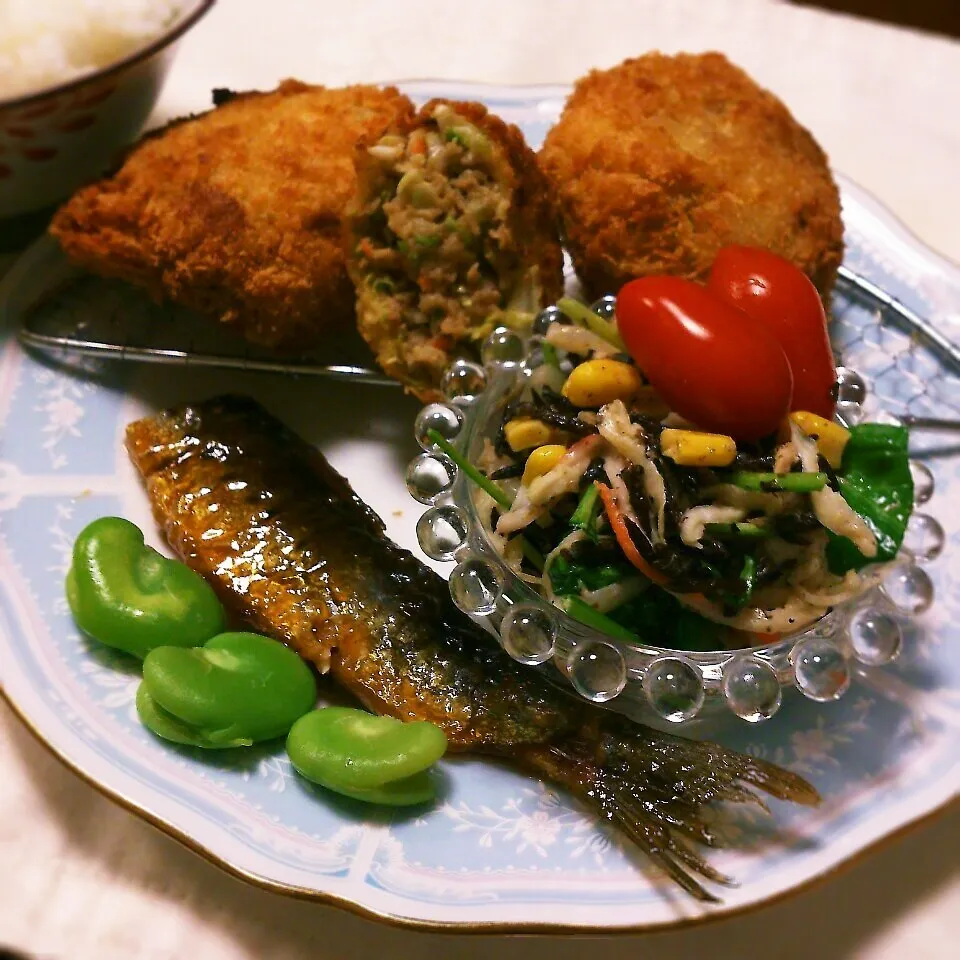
(712, 364)
(782, 297)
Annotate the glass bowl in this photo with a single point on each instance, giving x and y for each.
(648, 682)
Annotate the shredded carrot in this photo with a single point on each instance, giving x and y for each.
(418, 144)
(366, 247)
(619, 527)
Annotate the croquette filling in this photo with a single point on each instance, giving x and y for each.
(437, 254)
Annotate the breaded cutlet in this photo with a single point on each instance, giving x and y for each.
(236, 213)
(659, 162)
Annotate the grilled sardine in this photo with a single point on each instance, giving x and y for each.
(293, 551)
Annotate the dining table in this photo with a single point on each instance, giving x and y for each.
(85, 878)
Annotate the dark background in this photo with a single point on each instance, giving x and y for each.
(938, 16)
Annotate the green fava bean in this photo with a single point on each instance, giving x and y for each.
(419, 788)
(164, 724)
(365, 756)
(126, 595)
(237, 689)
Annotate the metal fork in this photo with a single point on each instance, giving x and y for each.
(855, 286)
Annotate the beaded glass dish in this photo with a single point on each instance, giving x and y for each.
(646, 681)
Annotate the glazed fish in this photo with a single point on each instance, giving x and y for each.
(294, 552)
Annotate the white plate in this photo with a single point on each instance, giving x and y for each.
(502, 851)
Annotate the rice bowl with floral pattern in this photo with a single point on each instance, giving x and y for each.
(58, 137)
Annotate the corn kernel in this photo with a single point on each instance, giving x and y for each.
(831, 437)
(596, 382)
(690, 448)
(523, 433)
(542, 461)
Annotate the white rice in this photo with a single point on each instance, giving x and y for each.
(45, 42)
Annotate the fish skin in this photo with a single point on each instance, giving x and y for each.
(293, 551)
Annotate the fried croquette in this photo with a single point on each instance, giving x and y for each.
(237, 213)
(452, 233)
(661, 161)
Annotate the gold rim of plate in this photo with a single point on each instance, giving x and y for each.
(478, 927)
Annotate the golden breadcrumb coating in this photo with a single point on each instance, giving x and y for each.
(236, 213)
(661, 161)
(445, 242)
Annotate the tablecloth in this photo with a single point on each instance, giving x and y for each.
(81, 878)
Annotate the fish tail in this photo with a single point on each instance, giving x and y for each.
(657, 788)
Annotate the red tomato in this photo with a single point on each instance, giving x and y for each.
(772, 290)
(710, 362)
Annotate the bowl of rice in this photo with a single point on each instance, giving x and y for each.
(78, 79)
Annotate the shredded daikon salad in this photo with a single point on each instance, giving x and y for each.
(632, 521)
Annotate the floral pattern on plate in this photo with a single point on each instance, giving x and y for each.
(499, 849)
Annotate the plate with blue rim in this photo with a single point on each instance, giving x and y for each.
(499, 851)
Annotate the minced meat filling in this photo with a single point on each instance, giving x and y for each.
(438, 244)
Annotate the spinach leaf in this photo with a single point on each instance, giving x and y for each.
(564, 576)
(569, 577)
(655, 615)
(662, 620)
(875, 480)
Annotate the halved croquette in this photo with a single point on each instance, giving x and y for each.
(451, 234)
